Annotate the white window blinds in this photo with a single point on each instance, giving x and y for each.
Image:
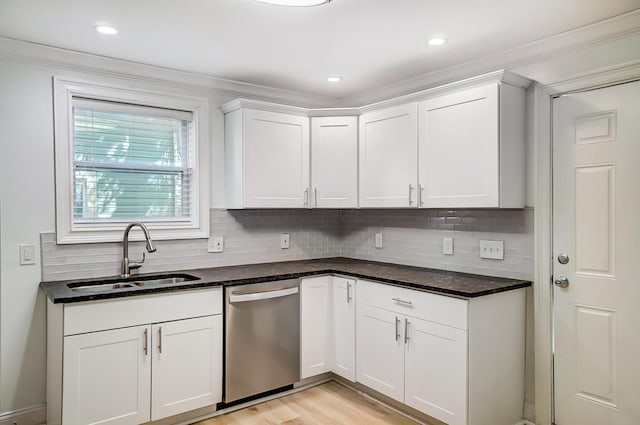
(131, 163)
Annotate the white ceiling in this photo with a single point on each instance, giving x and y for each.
(370, 43)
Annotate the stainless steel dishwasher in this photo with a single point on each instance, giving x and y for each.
(262, 337)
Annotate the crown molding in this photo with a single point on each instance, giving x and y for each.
(515, 60)
(70, 60)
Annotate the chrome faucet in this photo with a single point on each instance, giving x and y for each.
(128, 265)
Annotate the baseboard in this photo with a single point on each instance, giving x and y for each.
(34, 415)
(525, 422)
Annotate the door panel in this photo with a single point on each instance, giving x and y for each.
(380, 350)
(596, 137)
(315, 326)
(187, 365)
(107, 377)
(344, 327)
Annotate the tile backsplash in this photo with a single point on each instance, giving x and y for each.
(412, 237)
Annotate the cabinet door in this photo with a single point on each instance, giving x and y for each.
(459, 150)
(107, 377)
(380, 351)
(187, 365)
(344, 327)
(334, 166)
(315, 326)
(389, 157)
(436, 370)
(276, 160)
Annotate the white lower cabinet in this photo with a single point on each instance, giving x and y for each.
(459, 361)
(185, 372)
(327, 326)
(107, 377)
(153, 369)
(344, 327)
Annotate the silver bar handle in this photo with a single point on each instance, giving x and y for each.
(306, 197)
(401, 301)
(160, 340)
(145, 342)
(406, 330)
(315, 196)
(239, 297)
(410, 194)
(420, 195)
(397, 331)
(348, 292)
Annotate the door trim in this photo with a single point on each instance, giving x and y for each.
(543, 234)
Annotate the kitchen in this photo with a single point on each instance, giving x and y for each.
(413, 237)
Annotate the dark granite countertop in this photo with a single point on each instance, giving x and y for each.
(461, 285)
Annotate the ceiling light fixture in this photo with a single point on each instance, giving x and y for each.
(437, 40)
(106, 29)
(334, 79)
(295, 2)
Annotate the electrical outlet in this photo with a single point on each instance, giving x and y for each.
(493, 250)
(216, 244)
(27, 253)
(447, 246)
(284, 241)
(378, 240)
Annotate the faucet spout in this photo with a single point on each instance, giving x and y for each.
(128, 265)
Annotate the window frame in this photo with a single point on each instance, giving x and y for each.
(69, 232)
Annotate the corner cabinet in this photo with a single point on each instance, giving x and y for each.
(327, 326)
(334, 162)
(267, 159)
(472, 148)
(389, 157)
(134, 360)
(431, 353)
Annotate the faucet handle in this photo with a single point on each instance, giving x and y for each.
(137, 264)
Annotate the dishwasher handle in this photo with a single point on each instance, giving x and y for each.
(257, 296)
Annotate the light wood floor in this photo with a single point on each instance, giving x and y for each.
(326, 404)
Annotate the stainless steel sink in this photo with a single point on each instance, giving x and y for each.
(130, 283)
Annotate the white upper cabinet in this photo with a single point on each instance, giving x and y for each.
(389, 157)
(471, 146)
(334, 162)
(267, 159)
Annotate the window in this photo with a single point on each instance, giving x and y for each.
(124, 156)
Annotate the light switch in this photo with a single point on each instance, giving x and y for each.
(447, 246)
(284, 241)
(378, 240)
(493, 250)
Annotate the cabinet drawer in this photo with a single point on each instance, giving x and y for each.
(435, 308)
(95, 316)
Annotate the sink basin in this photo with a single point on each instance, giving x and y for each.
(130, 282)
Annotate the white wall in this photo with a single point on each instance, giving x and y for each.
(27, 207)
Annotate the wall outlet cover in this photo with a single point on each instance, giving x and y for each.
(27, 253)
(216, 244)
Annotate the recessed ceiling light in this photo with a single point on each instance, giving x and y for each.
(437, 40)
(106, 30)
(295, 2)
(334, 79)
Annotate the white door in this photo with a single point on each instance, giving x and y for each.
(436, 370)
(315, 326)
(380, 350)
(459, 149)
(187, 365)
(334, 167)
(344, 327)
(596, 214)
(107, 377)
(276, 160)
(389, 157)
